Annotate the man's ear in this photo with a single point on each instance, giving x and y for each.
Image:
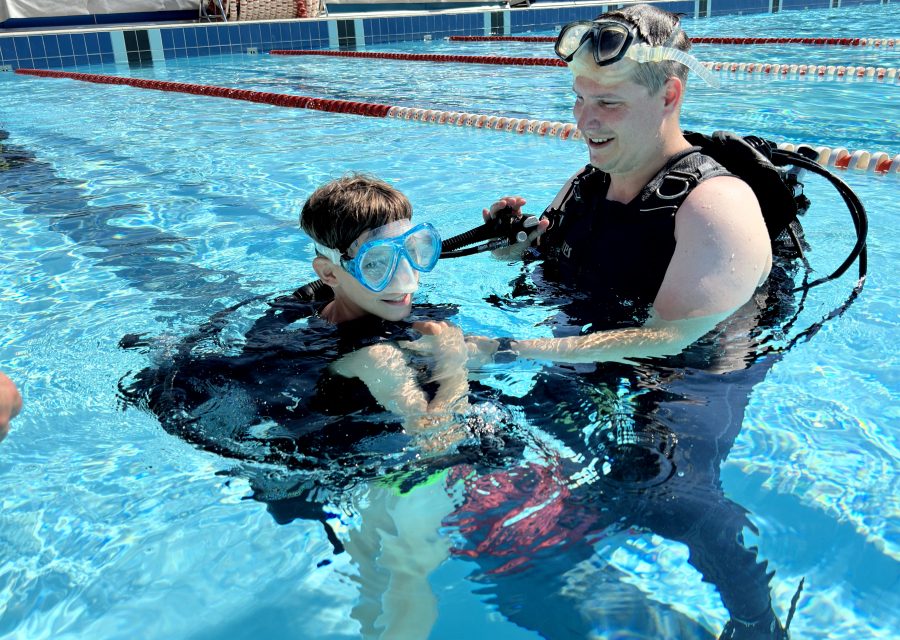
(673, 92)
(325, 269)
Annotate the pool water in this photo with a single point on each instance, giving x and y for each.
(129, 211)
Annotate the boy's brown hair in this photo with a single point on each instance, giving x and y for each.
(338, 212)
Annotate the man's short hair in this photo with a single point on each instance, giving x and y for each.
(657, 28)
(338, 212)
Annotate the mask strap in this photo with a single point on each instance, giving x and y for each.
(327, 252)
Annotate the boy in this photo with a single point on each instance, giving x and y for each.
(370, 254)
(313, 377)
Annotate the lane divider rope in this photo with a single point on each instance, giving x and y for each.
(423, 57)
(847, 42)
(840, 157)
(792, 70)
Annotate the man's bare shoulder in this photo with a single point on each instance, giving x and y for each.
(722, 196)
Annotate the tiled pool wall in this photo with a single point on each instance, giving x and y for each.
(136, 45)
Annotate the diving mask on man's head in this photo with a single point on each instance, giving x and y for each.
(611, 40)
(379, 256)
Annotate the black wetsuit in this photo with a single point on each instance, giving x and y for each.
(650, 437)
(271, 397)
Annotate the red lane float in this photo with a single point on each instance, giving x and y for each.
(545, 128)
(872, 73)
(840, 158)
(878, 74)
(423, 57)
(278, 99)
(846, 42)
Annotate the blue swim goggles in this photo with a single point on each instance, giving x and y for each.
(378, 257)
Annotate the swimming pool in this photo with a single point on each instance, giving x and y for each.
(139, 211)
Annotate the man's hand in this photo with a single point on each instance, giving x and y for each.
(512, 206)
(10, 404)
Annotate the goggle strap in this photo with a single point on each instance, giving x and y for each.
(327, 252)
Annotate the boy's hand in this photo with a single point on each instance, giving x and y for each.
(446, 344)
(10, 404)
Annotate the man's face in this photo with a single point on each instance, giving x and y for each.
(619, 119)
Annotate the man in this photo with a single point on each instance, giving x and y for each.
(690, 267)
(10, 403)
(655, 245)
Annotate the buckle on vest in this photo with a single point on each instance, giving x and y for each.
(682, 183)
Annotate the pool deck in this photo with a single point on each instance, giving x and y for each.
(60, 47)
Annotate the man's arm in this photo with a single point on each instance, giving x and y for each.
(10, 403)
(722, 254)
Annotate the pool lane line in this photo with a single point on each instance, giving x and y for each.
(841, 158)
(544, 128)
(424, 57)
(878, 74)
(846, 42)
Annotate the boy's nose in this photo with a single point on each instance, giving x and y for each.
(406, 279)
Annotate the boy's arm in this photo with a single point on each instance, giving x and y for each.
(390, 379)
(10, 403)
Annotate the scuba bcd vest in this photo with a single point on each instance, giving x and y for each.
(773, 174)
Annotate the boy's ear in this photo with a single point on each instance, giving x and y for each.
(325, 269)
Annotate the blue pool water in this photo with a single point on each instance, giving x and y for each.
(128, 211)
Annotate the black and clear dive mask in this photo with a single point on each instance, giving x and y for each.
(611, 41)
(378, 258)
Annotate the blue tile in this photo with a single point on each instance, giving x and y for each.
(40, 63)
(109, 58)
(22, 48)
(51, 46)
(92, 43)
(202, 36)
(265, 32)
(78, 45)
(178, 39)
(68, 61)
(166, 36)
(37, 46)
(7, 49)
(255, 34)
(190, 37)
(243, 35)
(54, 62)
(81, 60)
(297, 29)
(105, 43)
(25, 63)
(230, 36)
(94, 58)
(212, 34)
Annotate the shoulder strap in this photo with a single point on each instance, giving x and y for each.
(669, 188)
(572, 200)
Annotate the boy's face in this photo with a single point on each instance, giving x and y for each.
(394, 302)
